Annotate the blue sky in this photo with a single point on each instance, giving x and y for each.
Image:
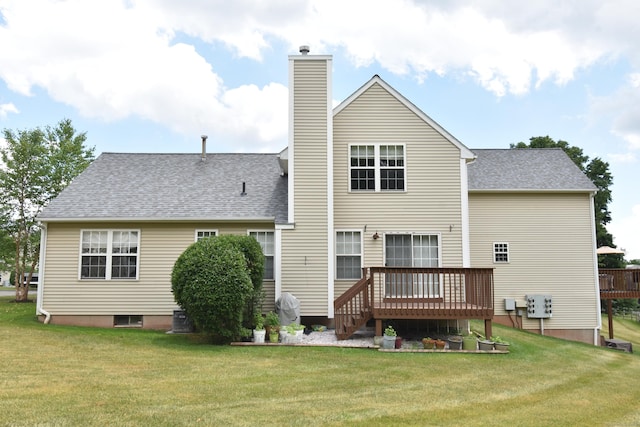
(154, 75)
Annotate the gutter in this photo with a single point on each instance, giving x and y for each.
(39, 298)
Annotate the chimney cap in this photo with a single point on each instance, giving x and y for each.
(204, 136)
(304, 49)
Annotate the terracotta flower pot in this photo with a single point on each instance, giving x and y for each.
(440, 344)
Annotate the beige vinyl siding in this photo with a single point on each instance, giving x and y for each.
(160, 245)
(550, 252)
(304, 249)
(432, 200)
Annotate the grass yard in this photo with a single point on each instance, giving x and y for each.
(67, 376)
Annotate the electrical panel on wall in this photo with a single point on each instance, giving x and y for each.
(539, 306)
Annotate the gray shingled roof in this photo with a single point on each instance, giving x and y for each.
(547, 169)
(173, 187)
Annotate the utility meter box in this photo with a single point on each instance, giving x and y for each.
(509, 304)
(539, 306)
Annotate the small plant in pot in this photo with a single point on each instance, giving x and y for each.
(294, 333)
(428, 343)
(455, 342)
(259, 332)
(272, 321)
(485, 345)
(389, 338)
(500, 344)
(440, 344)
(470, 343)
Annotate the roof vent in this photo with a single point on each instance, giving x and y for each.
(204, 147)
(304, 49)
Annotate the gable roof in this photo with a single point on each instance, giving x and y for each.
(162, 187)
(526, 169)
(465, 153)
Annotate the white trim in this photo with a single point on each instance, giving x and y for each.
(464, 208)
(330, 213)
(109, 255)
(465, 153)
(291, 157)
(204, 230)
(277, 262)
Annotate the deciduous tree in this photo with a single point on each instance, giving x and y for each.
(36, 165)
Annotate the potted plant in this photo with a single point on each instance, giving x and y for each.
(455, 342)
(272, 322)
(259, 332)
(273, 336)
(428, 343)
(485, 345)
(470, 343)
(294, 333)
(440, 344)
(389, 338)
(500, 344)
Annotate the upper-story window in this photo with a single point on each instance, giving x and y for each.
(109, 254)
(377, 167)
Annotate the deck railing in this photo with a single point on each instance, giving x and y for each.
(352, 309)
(415, 293)
(439, 293)
(619, 282)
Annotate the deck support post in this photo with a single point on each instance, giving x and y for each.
(610, 317)
(378, 327)
(487, 329)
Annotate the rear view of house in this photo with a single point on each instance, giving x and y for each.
(372, 197)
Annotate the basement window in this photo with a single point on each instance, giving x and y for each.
(127, 321)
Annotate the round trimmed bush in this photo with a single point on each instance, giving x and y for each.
(212, 283)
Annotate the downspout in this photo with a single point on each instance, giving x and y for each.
(596, 337)
(41, 275)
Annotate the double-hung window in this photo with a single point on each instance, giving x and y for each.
(501, 252)
(109, 254)
(267, 243)
(377, 167)
(348, 255)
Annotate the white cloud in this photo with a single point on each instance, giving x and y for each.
(627, 233)
(623, 107)
(124, 64)
(119, 59)
(5, 109)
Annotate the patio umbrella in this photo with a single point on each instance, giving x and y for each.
(603, 250)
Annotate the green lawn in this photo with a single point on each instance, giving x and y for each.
(58, 376)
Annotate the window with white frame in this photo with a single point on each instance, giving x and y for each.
(412, 250)
(267, 243)
(348, 255)
(109, 254)
(203, 234)
(500, 252)
(377, 167)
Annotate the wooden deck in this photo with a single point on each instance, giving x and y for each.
(386, 293)
(618, 283)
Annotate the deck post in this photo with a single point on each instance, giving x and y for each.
(378, 327)
(487, 329)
